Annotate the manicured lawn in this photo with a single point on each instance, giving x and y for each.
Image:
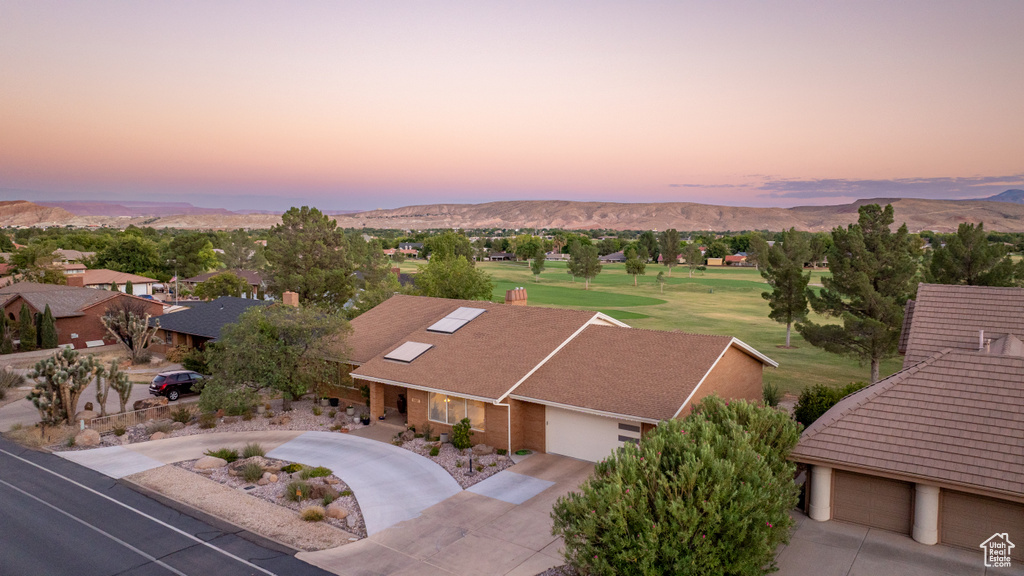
(724, 301)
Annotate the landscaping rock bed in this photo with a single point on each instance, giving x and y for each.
(486, 462)
(343, 512)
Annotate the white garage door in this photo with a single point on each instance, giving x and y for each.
(586, 436)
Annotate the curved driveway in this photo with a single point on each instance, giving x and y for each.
(392, 484)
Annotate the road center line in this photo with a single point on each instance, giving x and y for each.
(137, 511)
(101, 531)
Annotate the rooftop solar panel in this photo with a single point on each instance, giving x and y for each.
(408, 352)
(447, 325)
(465, 313)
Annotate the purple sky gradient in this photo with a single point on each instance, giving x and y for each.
(349, 105)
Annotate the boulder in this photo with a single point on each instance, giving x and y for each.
(407, 436)
(209, 463)
(262, 482)
(230, 419)
(319, 491)
(336, 510)
(351, 521)
(158, 436)
(272, 478)
(266, 475)
(87, 437)
(149, 403)
(86, 415)
(88, 406)
(281, 420)
(332, 481)
(482, 450)
(177, 425)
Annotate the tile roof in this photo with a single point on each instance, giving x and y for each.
(956, 417)
(104, 276)
(64, 301)
(599, 370)
(250, 276)
(485, 358)
(205, 319)
(908, 317)
(951, 317)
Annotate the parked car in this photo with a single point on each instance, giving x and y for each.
(175, 383)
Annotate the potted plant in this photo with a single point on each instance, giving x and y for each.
(334, 402)
(365, 419)
(350, 410)
(444, 437)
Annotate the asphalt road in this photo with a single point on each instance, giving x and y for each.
(59, 518)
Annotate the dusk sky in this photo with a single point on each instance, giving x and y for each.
(359, 105)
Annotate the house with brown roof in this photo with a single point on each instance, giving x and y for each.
(571, 382)
(253, 278)
(102, 279)
(935, 451)
(76, 310)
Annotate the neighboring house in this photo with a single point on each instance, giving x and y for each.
(417, 246)
(501, 256)
(252, 278)
(556, 256)
(613, 257)
(715, 262)
(936, 450)
(570, 382)
(76, 310)
(72, 256)
(411, 253)
(737, 259)
(101, 279)
(202, 321)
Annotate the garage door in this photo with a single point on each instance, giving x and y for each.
(967, 520)
(873, 501)
(586, 436)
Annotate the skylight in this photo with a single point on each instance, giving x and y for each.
(457, 319)
(408, 352)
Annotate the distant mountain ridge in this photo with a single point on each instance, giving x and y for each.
(1016, 196)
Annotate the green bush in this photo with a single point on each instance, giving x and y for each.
(318, 472)
(770, 393)
(251, 472)
(253, 449)
(346, 492)
(120, 430)
(313, 513)
(183, 415)
(328, 498)
(208, 420)
(501, 452)
(817, 400)
(298, 491)
(435, 451)
(523, 452)
(229, 454)
(711, 494)
(195, 360)
(291, 468)
(461, 434)
(317, 410)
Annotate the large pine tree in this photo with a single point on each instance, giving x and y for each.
(47, 330)
(873, 274)
(782, 266)
(26, 329)
(969, 258)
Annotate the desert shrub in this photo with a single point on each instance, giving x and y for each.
(176, 354)
(158, 426)
(346, 492)
(435, 451)
(493, 464)
(317, 410)
(247, 416)
(479, 468)
(332, 413)
(817, 400)
(318, 472)
(461, 434)
(427, 431)
(253, 449)
(251, 471)
(458, 464)
(208, 420)
(228, 454)
(770, 393)
(143, 357)
(183, 415)
(313, 513)
(291, 468)
(327, 499)
(268, 414)
(120, 430)
(710, 494)
(8, 380)
(320, 491)
(195, 360)
(298, 490)
(501, 451)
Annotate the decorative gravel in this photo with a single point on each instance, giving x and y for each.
(456, 462)
(562, 570)
(274, 492)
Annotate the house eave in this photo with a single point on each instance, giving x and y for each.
(586, 410)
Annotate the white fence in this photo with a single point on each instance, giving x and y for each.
(131, 418)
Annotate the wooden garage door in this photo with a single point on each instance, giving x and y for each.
(873, 501)
(967, 520)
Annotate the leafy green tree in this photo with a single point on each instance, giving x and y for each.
(35, 263)
(223, 284)
(528, 246)
(454, 278)
(585, 263)
(718, 249)
(449, 245)
(969, 258)
(649, 243)
(692, 257)
(820, 243)
(307, 253)
(190, 254)
(670, 249)
(26, 329)
(636, 267)
(782, 266)
(816, 400)
(47, 330)
(661, 281)
(60, 381)
(374, 294)
(708, 494)
(240, 252)
(874, 273)
(537, 265)
(287, 349)
(130, 253)
(607, 246)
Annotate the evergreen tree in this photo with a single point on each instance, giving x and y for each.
(585, 263)
(649, 243)
(6, 335)
(670, 248)
(47, 330)
(307, 253)
(26, 329)
(537, 265)
(874, 273)
(782, 266)
(636, 267)
(113, 287)
(128, 288)
(693, 257)
(969, 258)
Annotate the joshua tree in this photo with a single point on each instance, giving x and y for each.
(114, 378)
(131, 330)
(60, 381)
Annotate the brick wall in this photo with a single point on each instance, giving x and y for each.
(529, 426)
(736, 375)
(78, 330)
(495, 420)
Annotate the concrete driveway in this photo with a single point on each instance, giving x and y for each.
(473, 532)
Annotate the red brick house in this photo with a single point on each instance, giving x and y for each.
(76, 311)
(571, 382)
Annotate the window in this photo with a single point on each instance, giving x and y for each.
(451, 409)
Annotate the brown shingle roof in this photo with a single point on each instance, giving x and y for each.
(957, 417)
(951, 317)
(908, 317)
(64, 301)
(643, 373)
(485, 358)
(104, 276)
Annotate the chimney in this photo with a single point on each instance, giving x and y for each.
(981, 339)
(76, 280)
(290, 299)
(516, 296)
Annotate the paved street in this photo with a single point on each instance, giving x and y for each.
(62, 519)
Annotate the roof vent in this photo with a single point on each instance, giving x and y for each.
(408, 352)
(455, 320)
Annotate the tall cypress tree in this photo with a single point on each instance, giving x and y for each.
(113, 287)
(128, 288)
(48, 330)
(26, 329)
(6, 343)
(874, 273)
